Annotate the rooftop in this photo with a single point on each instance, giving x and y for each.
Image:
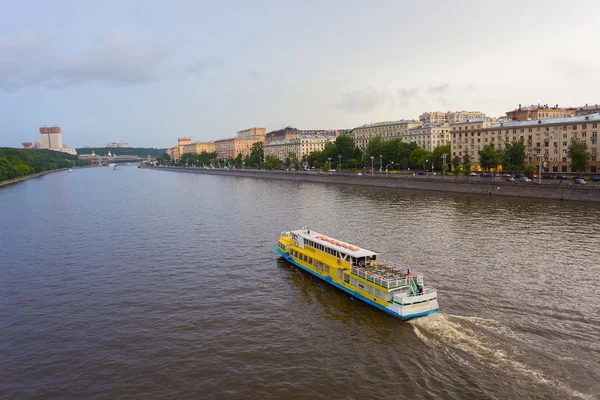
(548, 121)
(389, 123)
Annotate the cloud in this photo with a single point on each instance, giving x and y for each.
(254, 75)
(114, 59)
(439, 89)
(364, 100)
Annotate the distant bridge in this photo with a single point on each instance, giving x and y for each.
(100, 160)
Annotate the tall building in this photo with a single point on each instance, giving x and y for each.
(387, 131)
(250, 132)
(199, 147)
(547, 137)
(230, 148)
(51, 138)
(448, 117)
(543, 111)
(300, 146)
(429, 136)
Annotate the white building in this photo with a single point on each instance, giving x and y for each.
(301, 146)
(51, 139)
(448, 117)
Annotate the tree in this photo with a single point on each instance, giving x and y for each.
(456, 162)
(466, 169)
(457, 170)
(256, 156)
(489, 158)
(419, 157)
(578, 155)
(513, 156)
(529, 171)
(436, 155)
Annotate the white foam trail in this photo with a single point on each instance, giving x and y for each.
(447, 331)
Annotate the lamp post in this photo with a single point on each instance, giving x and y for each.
(243, 164)
(386, 167)
(329, 159)
(372, 158)
(380, 162)
(340, 162)
(444, 162)
(424, 169)
(540, 167)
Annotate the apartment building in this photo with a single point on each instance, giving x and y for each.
(429, 136)
(300, 145)
(230, 148)
(448, 117)
(199, 147)
(548, 137)
(387, 131)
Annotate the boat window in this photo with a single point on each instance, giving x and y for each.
(369, 288)
(353, 281)
(346, 278)
(378, 293)
(361, 285)
(340, 272)
(327, 268)
(310, 260)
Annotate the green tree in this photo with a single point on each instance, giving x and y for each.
(256, 156)
(419, 157)
(529, 171)
(513, 156)
(466, 168)
(456, 162)
(489, 158)
(436, 156)
(457, 170)
(578, 155)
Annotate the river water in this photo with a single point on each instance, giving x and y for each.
(149, 284)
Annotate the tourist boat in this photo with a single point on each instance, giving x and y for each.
(359, 272)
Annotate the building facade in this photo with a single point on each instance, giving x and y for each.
(250, 132)
(545, 138)
(387, 131)
(301, 146)
(199, 147)
(543, 111)
(429, 136)
(448, 117)
(230, 148)
(51, 138)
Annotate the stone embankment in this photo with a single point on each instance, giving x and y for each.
(554, 190)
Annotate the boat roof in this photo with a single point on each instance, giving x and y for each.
(327, 242)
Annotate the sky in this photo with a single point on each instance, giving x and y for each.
(147, 72)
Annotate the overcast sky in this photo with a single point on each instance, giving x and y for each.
(147, 72)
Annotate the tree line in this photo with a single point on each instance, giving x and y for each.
(16, 163)
(393, 154)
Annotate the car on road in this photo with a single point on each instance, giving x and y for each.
(506, 175)
(510, 179)
(579, 181)
(524, 179)
(595, 178)
(421, 173)
(359, 174)
(561, 176)
(473, 173)
(547, 176)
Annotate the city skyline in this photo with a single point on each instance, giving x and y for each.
(151, 73)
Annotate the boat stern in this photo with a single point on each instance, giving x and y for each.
(411, 306)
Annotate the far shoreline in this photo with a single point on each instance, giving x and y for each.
(550, 191)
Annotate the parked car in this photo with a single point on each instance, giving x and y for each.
(561, 176)
(595, 178)
(524, 179)
(547, 176)
(473, 173)
(579, 181)
(421, 173)
(510, 179)
(506, 175)
(519, 175)
(359, 174)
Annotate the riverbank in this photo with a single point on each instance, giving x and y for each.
(554, 190)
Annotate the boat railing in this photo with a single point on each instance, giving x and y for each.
(388, 283)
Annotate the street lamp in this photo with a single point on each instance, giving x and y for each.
(444, 160)
(372, 157)
(424, 170)
(380, 162)
(540, 167)
(386, 167)
(329, 159)
(243, 164)
(340, 163)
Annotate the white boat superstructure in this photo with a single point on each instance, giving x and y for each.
(360, 272)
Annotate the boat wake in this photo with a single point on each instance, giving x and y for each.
(482, 343)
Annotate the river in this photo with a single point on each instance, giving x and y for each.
(136, 283)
